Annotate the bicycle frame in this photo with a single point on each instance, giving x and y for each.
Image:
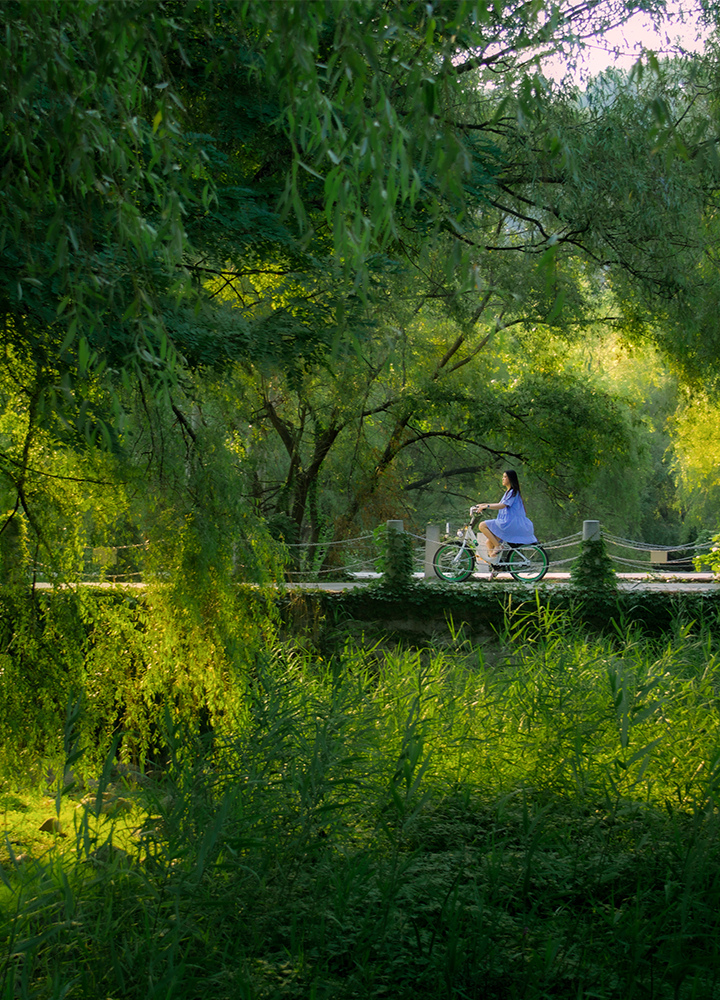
(472, 541)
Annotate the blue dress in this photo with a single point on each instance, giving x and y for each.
(512, 524)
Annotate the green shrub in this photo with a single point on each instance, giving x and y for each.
(395, 559)
(709, 560)
(593, 570)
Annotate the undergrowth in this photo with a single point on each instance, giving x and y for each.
(407, 823)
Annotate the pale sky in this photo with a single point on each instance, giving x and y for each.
(636, 33)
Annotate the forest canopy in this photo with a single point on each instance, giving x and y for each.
(300, 267)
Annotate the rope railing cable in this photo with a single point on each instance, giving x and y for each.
(115, 548)
(320, 545)
(644, 566)
(648, 566)
(349, 567)
(556, 543)
(647, 547)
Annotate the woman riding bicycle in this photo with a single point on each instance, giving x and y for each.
(512, 523)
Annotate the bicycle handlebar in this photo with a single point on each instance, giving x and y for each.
(475, 519)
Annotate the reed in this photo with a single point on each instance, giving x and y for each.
(435, 822)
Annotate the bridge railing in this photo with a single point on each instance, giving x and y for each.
(356, 558)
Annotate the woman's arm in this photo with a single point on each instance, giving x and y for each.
(491, 506)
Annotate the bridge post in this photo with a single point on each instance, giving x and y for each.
(432, 544)
(591, 531)
(397, 555)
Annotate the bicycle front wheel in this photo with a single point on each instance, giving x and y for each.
(453, 563)
(528, 563)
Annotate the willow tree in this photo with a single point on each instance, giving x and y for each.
(406, 151)
(218, 183)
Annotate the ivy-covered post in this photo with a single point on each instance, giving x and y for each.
(396, 560)
(593, 571)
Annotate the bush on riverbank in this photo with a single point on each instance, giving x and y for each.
(407, 822)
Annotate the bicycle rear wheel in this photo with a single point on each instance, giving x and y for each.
(528, 563)
(453, 563)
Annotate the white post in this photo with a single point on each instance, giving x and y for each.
(432, 544)
(591, 531)
(396, 526)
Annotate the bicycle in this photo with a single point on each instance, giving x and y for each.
(454, 562)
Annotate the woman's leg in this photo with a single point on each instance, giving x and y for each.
(494, 544)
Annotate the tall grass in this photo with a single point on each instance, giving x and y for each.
(443, 822)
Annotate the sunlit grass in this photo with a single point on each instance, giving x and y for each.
(31, 827)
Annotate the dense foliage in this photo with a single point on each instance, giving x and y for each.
(312, 265)
(532, 817)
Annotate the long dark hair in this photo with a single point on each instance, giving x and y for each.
(514, 482)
